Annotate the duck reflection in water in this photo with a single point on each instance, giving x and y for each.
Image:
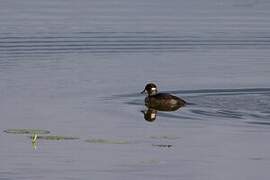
(159, 102)
(150, 114)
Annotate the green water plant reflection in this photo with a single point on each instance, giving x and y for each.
(34, 141)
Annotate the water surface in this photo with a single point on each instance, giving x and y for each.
(76, 69)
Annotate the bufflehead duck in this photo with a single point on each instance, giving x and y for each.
(161, 101)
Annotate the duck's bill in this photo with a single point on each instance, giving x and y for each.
(143, 92)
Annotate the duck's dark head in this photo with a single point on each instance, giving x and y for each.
(150, 89)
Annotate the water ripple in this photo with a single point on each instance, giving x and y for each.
(123, 42)
(248, 105)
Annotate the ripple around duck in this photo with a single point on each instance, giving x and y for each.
(218, 113)
(247, 105)
(175, 116)
(205, 92)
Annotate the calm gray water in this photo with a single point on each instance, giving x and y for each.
(76, 68)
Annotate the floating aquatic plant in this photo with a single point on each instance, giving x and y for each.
(53, 137)
(26, 131)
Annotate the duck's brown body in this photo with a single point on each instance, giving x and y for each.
(164, 102)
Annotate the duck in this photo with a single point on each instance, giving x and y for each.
(161, 101)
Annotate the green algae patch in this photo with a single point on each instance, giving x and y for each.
(53, 137)
(106, 141)
(26, 131)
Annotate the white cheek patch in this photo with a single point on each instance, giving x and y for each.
(153, 89)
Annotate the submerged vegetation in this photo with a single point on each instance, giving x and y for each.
(40, 134)
(106, 141)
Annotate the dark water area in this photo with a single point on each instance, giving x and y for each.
(76, 70)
